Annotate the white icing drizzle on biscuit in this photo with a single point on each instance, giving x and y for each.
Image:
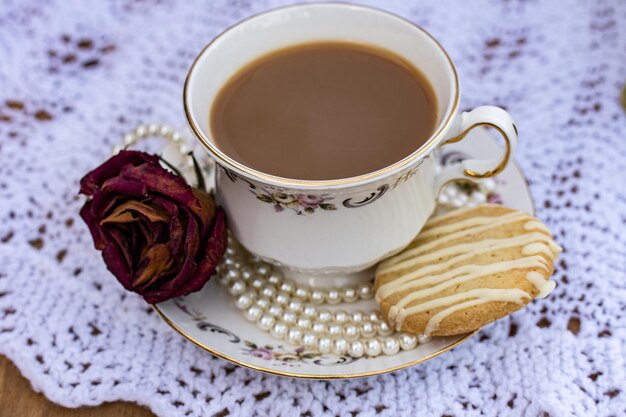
(487, 224)
(512, 295)
(467, 250)
(536, 225)
(441, 267)
(539, 248)
(545, 287)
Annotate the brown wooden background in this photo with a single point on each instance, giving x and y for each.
(17, 399)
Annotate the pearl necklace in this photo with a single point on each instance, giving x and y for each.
(142, 132)
(292, 312)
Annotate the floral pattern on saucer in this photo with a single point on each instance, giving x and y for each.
(278, 355)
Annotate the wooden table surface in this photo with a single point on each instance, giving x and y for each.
(17, 399)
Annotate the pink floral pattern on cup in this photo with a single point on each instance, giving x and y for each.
(300, 203)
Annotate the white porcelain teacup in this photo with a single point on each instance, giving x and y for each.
(349, 224)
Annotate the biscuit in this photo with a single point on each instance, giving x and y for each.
(465, 269)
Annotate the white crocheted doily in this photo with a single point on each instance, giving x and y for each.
(75, 75)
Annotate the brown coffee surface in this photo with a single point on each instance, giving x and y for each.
(323, 111)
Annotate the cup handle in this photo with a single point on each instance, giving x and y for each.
(476, 169)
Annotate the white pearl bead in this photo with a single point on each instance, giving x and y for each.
(282, 298)
(303, 322)
(478, 197)
(443, 199)
(275, 277)
(340, 346)
(295, 305)
(290, 316)
(279, 330)
(223, 279)
(456, 202)
(390, 346)
(275, 309)
(236, 287)
(334, 329)
(357, 316)
(153, 129)
(184, 150)
(263, 269)
(333, 296)
(129, 139)
(373, 347)
(263, 302)
(253, 313)
(318, 327)
(365, 291)
(309, 311)
(356, 349)
(266, 322)
(324, 344)
(269, 291)
(451, 190)
(309, 340)
(341, 316)
(176, 137)
(488, 184)
(324, 316)
(141, 131)
(302, 293)
(407, 341)
(317, 296)
(246, 272)
(117, 149)
(368, 329)
(257, 283)
(350, 331)
(244, 301)
(375, 316)
(422, 338)
(384, 329)
(232, 274)
(349, 294)
(288, 286)
(294, 336)
(165, 131)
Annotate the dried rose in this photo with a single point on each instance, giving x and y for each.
(160, 237)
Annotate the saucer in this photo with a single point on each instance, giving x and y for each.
(209, 318)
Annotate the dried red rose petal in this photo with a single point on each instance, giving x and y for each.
(158, 236)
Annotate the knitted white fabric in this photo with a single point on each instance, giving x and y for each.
(75, 75)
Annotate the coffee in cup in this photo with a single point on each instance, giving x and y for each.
(324, 110)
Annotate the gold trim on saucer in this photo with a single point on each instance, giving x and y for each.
(308, 376)
(313, 184)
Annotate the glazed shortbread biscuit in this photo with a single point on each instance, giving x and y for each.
(465, 269)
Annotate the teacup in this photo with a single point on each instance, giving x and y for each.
(349, 224)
